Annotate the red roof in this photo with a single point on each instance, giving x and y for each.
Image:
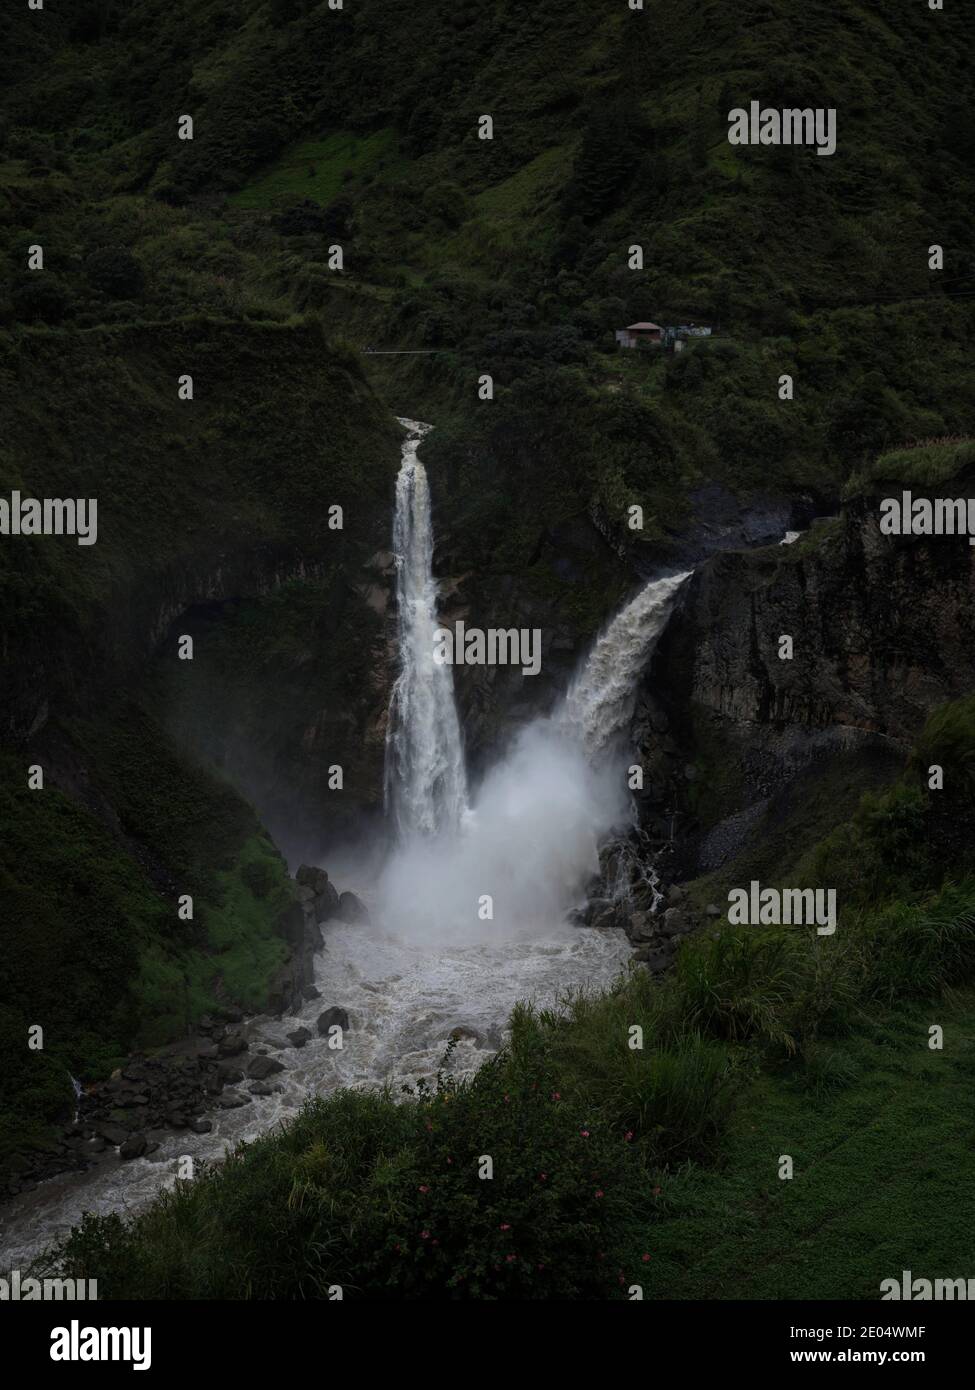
(631, 327)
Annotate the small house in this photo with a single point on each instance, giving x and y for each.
(639, 335)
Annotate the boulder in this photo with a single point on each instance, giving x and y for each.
(232, 1100)
(330, 1018)
(673, 922)
(311, 992)
(352, 909)
(114, 1134)
(134, 1146)
(654, 960)
(641, 926)
(299, 1037)
(261, 1068)
(462, 1032)
(232, 1045)
(263, 1088)
(201, 1126)
(327, 904)
(315, 879)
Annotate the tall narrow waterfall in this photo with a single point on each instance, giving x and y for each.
(426, 785)
(600, 699)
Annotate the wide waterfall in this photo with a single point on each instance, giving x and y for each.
(600, 699)
(426, 786)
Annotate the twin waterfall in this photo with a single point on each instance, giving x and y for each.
(426, 785)
(430, 960)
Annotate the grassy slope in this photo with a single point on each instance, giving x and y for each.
(880, 1131)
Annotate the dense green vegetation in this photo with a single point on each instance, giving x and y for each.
(510, 256)
(659, 1165)
(316, 129)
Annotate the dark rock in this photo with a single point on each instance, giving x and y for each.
(327, 905)
(299, 1037)
(261, 1068)
(232, 1100)
(176, 1120)
(201, 1126)
(263, 1088)
(229, 1073)
(713, 910)
(311, 992)
(462, 1031)
(673, 922)
(641, 926)
(654, 960)
(134, 1147)
(315, 879)
(207, 1051)
(232, 1045)
(352, 909)
(330, 1018)
(114, 1134)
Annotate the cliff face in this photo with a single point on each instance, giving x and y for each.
(738, 740)
(213, 522)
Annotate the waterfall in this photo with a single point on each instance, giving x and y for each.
(600, 699)
(426, 785)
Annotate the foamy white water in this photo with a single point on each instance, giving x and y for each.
(601, 697)
(426, 784)
(403, 1001)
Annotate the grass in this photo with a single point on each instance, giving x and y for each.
(880, 1129)
(316, 169)
(925, 465)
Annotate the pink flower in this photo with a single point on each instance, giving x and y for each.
(424, 1188)
(542, 1177)
(509, 1258)
(645, 1258)
(584, 1133)
(556, 1095)
(504, 1226)
(424, 1235)
(600, 1193)
(450, 1160)
(629, 1135)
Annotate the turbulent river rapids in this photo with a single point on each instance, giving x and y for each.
(527, 838)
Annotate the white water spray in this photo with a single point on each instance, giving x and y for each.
(529, 844)
(426, 786)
